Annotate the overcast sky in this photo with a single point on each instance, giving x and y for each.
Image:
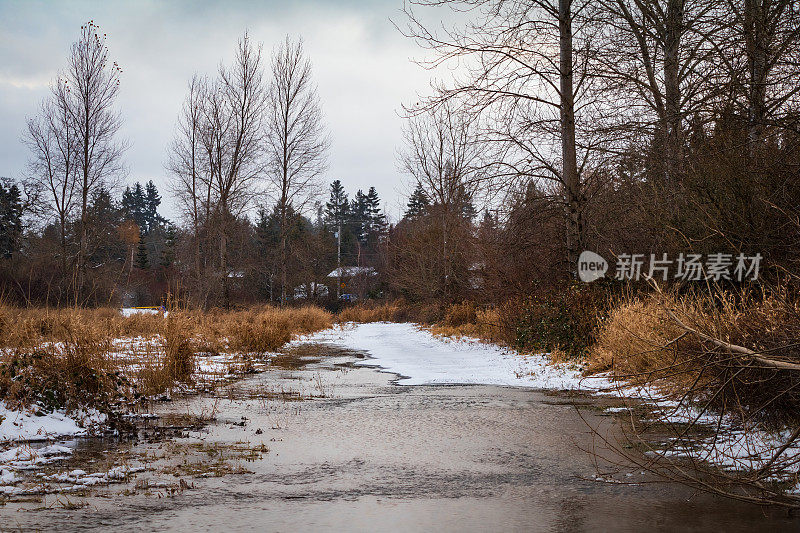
(362, 65)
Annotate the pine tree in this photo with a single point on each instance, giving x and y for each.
(141, 204)
(151, 202)
(337, 208)
(141, 255)
(168, 253)
(10, 219)
(104, 217)
(377, 220)
(418, 203)
(359, 216)
(133, 204)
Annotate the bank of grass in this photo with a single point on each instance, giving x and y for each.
(695, 346)
(73, 358)
(560, 322)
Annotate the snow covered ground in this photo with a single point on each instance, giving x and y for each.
(128, 311)
(424, 359)
(33, 426)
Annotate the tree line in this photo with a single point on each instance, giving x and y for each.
(619, 126)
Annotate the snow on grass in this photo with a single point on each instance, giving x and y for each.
(730, 446)
(421, 358)
(129, 311)
(31, 425)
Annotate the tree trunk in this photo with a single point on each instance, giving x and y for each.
(569, 157)
(756, 45)
(672, 92)
(283, 251)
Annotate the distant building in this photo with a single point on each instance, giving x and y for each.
(316, 290)
(356, 281)
(351, 272)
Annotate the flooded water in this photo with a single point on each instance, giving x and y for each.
(317, 444)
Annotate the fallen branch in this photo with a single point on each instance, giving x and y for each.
(782, 365)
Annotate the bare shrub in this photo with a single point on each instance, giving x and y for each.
(722, 360)
(367, 312)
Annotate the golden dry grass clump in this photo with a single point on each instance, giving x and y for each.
(367, 312)
(64, 357)
(466, 320)
(71, 369)
(641, 342)
(266, 329)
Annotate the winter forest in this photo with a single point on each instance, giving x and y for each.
(598, 198)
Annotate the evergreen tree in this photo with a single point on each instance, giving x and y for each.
(418, 203)
(467, 208)
(337, 208)
(10, 219)
(359, 216)
(133, 204)
(141, 204)
(142, 261)
(105, 217)
(168, 253)
(377, 220)
(151, 202)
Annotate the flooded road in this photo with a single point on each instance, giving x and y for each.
(318, 444)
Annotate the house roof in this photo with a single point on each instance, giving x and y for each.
(346, 272)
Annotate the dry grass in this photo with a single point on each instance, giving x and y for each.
(71, 370)
(63, 358)
(641, 343)
(464, 320)
(362, 313)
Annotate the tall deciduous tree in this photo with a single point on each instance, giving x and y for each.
(186, 161)
(297, 144)
(53, 163)
(526, 69)
(92, 86)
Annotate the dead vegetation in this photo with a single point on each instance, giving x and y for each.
(724, 361)
(74, 358)
(694, 345)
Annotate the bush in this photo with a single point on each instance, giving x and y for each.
(563, 320)
(642, 344)
(460, 314)
(73, 373)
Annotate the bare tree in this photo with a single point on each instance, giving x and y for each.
(442, 155)
(297, 144)
(239, 142)
(186, 161)
(217, 155)
(92, 86)
(527, 70)
(51, 138)
(760, 58)
(657, 59)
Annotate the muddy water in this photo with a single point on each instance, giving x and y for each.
(320, 445)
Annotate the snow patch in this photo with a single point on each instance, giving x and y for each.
(421, 358)
(32, 425)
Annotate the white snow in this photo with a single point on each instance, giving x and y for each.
(7, 477)
(33, 426)
(421, 358)
(26, 456)
(128, 311)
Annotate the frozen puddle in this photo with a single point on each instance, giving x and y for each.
(421, 358)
